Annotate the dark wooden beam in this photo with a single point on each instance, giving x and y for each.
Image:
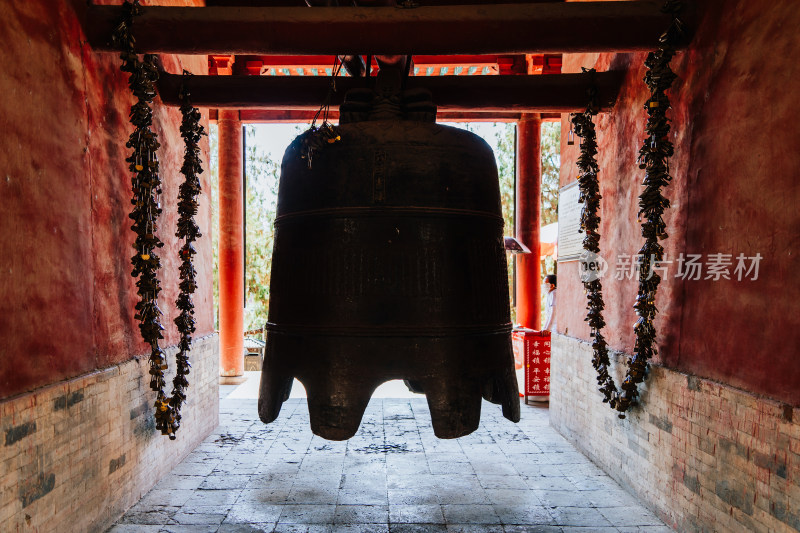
(466, 29)
(293, 116)
(554, 93)
(298, 3)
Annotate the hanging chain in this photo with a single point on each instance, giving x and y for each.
(589, 186)
(146, 186)
(191, 131)
(317, 137)
(654, 160)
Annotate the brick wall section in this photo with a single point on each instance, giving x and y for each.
(704, 456)
(75, 455)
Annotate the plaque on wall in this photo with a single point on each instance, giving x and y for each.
(570, 239)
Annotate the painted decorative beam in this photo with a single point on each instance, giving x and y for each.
(554, 93)
(465, 29)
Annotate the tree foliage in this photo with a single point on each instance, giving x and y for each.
(261, 197)
(551, 164)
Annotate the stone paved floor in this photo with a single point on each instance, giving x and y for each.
(393, 476)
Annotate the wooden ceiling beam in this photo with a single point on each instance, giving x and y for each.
(465, 29)
(284, 116)
(553, 93)
(302, 3)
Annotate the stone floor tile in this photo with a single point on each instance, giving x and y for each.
(548, 471)
(448, 467)
(611, 497)
(417, 528)
(193, 469)
(166, 497)
(360, 528)
(491, 481)
(193, 528)
(513, 497)
(246, 512)
(363, 497)
(583, 469)
(267, 495)
(246, 528)
(549, 483)
(310, 493)
(226, 481)
(458, 482)
(173, 482)
(307, 514)
(361, 514)
(198, 518)
(579, 516)
(221, 498)
(393, 476)
(563, 498)
(447, 457)
(302, 528)
(602, 482)
(470, 514)
(589, 529)
(410, 482)
(460, 496)
(523, 515)
(370, 481)
(416, 514)
(474, 528)
(148, 518)
(630, 516)
(420, 496)
(272, 481)
(279, 467)
(531, 529)
(134, 528)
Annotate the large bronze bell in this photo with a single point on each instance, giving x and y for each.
(389, 264)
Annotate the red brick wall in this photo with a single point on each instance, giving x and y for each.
(735, 190)
(66, 294)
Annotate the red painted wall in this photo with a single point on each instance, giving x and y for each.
(735, 190)
(66, 294)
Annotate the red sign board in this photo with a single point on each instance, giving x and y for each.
(533, 348)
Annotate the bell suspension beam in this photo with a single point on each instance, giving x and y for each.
(504, 29)
(556, 93)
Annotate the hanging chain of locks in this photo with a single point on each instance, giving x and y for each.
(146, 185)
(315, 138)
(191, 131)
(590, 222)
(654, 160)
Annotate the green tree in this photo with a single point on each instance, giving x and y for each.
(505, 135)
(262, 195)
(213, 141)
(261, 198)
(551, 164)
(505, 141)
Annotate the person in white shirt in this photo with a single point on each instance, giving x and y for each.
(549, 290)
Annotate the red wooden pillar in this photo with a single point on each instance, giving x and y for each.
(529, 193)
(231, 248)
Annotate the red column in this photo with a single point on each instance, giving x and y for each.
(231, 248)
(529, 194)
